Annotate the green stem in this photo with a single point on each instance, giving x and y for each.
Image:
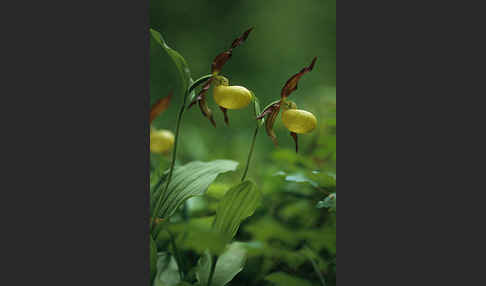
(316, 269)
(172, 164)
(176, 141)
(213, 268)
(250, 154)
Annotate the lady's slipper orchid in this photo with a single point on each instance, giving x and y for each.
(297, 121)
(226, 96)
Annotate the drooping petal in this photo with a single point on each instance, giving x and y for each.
(206, 111)
(201, 100)
(225, 113)
(202, 94)
(269, 122)
(271, 113)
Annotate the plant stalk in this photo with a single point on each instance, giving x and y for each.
(250, 154)
(316, 268)
(172, 164)
(176, 141)
(318, 272)
(213, 268)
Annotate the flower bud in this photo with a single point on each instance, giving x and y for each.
(231, 97)
(299, 121)
(161, 141)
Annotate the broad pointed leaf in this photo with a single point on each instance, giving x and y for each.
(192, 179)
(180, 62)
(237, 204)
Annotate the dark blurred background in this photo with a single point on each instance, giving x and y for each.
(287, 35)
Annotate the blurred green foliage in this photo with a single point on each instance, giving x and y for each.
(296, 220)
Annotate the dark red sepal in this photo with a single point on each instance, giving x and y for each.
(291, 84)
(160, 106)
(294, 135)
(222, 58)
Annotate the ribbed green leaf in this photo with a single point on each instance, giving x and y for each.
(237, 204)
(192, 179)
(157, 179)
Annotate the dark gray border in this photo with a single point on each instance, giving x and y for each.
(411, 143)
(77, 176)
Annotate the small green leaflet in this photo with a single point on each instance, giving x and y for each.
(328, 202)
(229, 263)
(167, 271)
(203, 268)
(257, 109)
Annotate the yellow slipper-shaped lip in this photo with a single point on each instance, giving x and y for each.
(231, 97)
(161, 141)
(299, 121)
